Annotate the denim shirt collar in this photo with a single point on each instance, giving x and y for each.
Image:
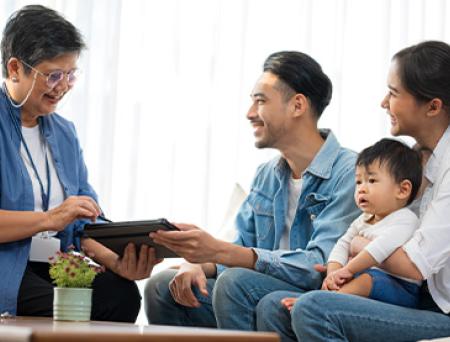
(322, 164)
(7, 99)
(43, 120)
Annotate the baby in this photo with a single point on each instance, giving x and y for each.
(388, 178)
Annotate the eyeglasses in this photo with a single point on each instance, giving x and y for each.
(54, 77)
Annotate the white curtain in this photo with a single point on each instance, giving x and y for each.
(160, 109)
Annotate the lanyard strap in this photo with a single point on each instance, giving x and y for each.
(45, 196)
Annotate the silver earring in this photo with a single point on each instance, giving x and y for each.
(14, 79)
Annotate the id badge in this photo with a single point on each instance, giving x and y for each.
(43, 247)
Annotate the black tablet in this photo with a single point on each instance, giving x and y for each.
(117, 235)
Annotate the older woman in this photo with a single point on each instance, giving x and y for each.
(45, 197)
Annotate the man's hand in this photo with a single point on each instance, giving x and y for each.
(73, 208)
(320, 268)
(191, 243)
(133, 268)
(181, 285)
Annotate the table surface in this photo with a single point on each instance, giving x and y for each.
(46, 329)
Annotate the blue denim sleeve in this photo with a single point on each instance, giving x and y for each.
(296, 266)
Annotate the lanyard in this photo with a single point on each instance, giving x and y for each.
(45, 196)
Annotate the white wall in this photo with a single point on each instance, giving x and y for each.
(161, 107)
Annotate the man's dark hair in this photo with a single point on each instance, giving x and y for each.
(299, 73)
(401, 161)
(36, 33)
(424, 71)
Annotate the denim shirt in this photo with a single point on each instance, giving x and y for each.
(326, 208)
(16, 192)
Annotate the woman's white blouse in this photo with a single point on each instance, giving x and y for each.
(429, 248)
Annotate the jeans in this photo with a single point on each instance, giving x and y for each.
(160, 307)
(329, 316)
(272, 316)
(232, 305)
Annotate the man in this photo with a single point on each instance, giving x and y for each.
(300, 203)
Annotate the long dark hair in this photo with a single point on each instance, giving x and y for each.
(424, 70)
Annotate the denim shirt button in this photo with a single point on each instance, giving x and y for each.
(312, 217)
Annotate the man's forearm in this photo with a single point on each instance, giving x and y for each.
(232, 255)
(209, 269)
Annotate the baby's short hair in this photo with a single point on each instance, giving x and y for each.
(401, 161)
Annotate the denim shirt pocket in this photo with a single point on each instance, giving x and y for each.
(314, 204)
(263, 214)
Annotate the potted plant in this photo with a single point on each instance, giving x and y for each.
(73, 274)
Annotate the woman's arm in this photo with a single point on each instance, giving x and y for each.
(400, 264)
(397, 263)
(132, 266)
(18, 225)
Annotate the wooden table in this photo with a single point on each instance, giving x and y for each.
(39, 329)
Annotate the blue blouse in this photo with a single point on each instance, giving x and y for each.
(16, 192)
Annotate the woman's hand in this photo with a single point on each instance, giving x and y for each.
(73, 208)
(132, 267)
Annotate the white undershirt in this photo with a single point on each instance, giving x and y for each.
(37, 148)
(294, 190)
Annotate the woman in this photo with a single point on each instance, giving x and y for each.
(45, 198)
(418, 104)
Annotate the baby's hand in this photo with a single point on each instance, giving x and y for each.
(342, 276)
(329, 283)
(336, 279)
(288, 302)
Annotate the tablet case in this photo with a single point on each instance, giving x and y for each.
(117, 235)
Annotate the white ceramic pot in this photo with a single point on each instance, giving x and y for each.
(72, 304)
